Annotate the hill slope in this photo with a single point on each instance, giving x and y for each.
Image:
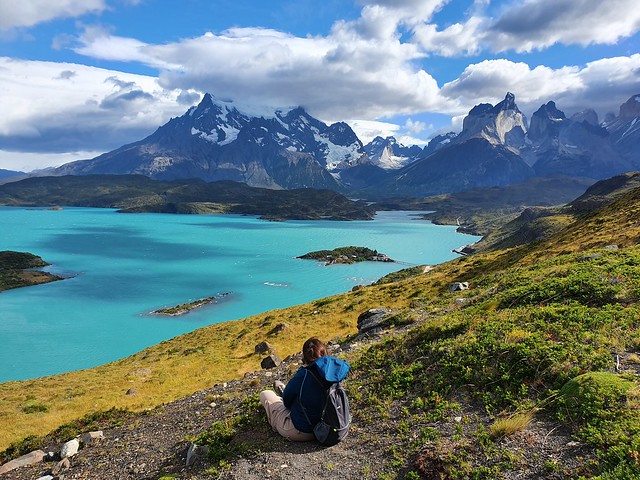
(530, 373)
(137, 193)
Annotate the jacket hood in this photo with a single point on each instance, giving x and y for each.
(332, 369)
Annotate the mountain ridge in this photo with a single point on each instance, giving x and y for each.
(288, 148)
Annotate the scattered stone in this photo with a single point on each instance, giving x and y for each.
(611, 247)
(263, 347)
(195, 453)
(46, 477)
(278, 328)
(372, 318)
(29, 459)
(459, 286)
(461, 301)
(62, 466)
(139, 372)
(272, 361)
(70, 448)
(92, 437)
(131, 391)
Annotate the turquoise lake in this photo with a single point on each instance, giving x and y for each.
(120, 267)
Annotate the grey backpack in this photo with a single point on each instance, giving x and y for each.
(336, 418)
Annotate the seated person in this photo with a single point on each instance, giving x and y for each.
(298, 410)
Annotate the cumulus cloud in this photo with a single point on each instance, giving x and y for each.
(415, 126)
(331, 76)
(531, 25)
(536, 24)
(602, 85)
(94, 109)
(28, 13)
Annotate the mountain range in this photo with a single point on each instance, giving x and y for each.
(288, 148)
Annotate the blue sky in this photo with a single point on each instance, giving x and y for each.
(81, 77)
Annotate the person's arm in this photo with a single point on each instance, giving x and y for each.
(292, 390)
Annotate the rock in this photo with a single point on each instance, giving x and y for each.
(46, 477)
(611, 247)
(458, 286)
(70, 448)
(355, 288)
(61, 466)
(461, 301)
(195, 453)
(372, 318)
(272, 361)
(131, 391)
(263, 347)
(278, 328)
(92, 437)
(29, 459)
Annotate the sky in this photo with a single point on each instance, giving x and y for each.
(82, 77)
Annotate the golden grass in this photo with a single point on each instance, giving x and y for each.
(503, 427)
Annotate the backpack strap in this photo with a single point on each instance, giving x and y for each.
(304, 410)
(326, 394)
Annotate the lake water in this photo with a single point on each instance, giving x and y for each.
(122, 266)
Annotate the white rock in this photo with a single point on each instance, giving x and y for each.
(70, 448)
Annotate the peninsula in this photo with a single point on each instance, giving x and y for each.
(346, 255)
(19, 269)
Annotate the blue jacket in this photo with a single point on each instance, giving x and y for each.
(304, 388)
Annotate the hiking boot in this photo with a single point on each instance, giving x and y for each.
(278, 386)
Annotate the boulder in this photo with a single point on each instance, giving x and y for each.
(459, 286)
(272, 361)
(92, 437)
(263, 347)
(28, 459)
(70, 448)
(62, 466)
(372, 318)
(278, 328)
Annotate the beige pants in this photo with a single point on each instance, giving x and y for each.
(279, 417)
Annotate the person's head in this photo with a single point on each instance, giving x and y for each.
(312, 350)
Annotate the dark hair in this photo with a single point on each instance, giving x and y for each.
(312, 350)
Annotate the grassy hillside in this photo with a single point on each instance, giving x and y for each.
(547, 338)
(137, 193)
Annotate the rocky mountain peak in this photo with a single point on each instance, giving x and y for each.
(502, 124)
(631, 108)
(509, 103)
(546, 122)
(589, 116)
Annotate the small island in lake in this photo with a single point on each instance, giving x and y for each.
(187, 307)
(18, 269)
(346, 255)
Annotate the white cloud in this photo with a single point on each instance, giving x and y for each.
(602, 85)
(415, 126)
(457, 39)
(367, 130)
(27, 161)
(31, 12)
(46, 109)
(333, 77)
